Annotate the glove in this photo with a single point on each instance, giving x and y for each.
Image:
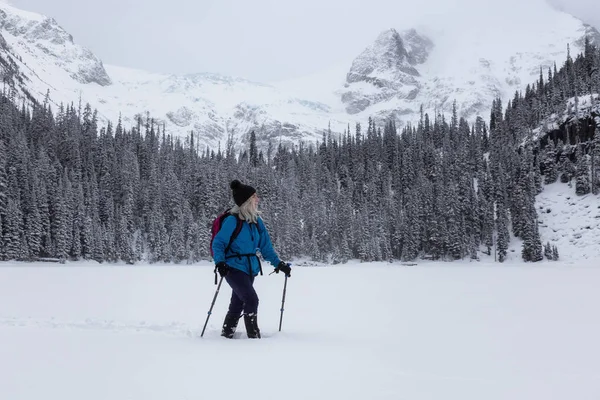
(222, 268)
(285, 268)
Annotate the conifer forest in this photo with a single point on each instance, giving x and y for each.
(442, 189)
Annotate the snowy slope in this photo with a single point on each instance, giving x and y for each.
(456, 54)
(570, 222)
(385, 331)
(214, 105)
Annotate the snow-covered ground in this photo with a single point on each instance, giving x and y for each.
(570, 222)
(358, 331)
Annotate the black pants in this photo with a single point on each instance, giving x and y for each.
(243, 297)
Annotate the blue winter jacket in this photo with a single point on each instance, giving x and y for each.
(252, 237)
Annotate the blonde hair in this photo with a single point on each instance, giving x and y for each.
(247, 211)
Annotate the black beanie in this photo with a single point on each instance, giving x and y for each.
(241, 192)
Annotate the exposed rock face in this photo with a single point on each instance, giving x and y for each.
(386, 69)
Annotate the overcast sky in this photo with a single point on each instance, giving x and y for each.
(261, 40)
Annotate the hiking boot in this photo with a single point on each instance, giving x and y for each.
(230, 325)
(252, 326)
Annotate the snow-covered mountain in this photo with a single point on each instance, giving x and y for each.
(40, 57)
(432, 63)
(36, 38)
(386, 70)
(463, 58)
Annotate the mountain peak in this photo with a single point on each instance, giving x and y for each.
(387, 53)
(388, 67)
(390, 34)
(28, 30)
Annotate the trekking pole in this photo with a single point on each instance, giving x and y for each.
(211, 306)
(283, 302)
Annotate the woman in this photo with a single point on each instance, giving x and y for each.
(239, 263)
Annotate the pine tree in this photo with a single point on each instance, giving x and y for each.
(520, 198)
(124, 240)
(565, 165)
(13, 231)
(3, 196)
(98, 253)
(548, 251)
(60, 223)
(532, 246)
(33, 224)
(3, 180)
(595, 159)
(87, 237)
(439, 232)
(410, 247)
(345, 252)
(537, 176)
(453, 224)
(177, 238)
(582, 185)
(536, 252)
(486, 214)
(503, 234)
(554, 253)
(473, 248)
(550, 170)
(253, 150)
(2, 241)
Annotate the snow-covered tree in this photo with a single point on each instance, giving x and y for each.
(582, 185)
